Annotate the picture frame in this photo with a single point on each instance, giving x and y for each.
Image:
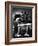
(20, 22)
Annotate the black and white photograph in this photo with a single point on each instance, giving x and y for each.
(21, 22)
